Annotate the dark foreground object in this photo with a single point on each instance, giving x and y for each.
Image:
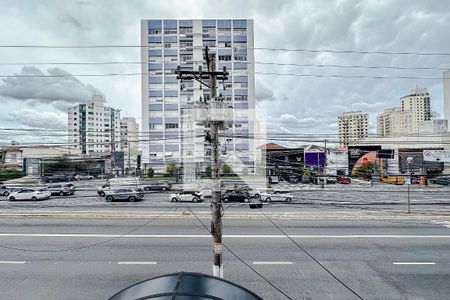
(186, 286)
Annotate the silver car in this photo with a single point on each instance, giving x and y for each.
(277, 195)
(124, 194)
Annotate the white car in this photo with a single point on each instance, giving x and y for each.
(277, 195)
(30, 194)
(192, 196)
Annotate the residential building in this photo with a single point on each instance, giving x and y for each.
(352, 126)
(394, 122)
(94, 128)
(129, 139)
(418, 103)
(433, 126)
(166, 103)
(447, 95)
(129, 134)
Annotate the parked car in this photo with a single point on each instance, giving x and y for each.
(124, 194)
(290, 178)
(83, 177)
(57, 178)
(277, 195)
(6, 191)
(193, 196)
(306, 179)
(29, 194)
(101, 190)
(440, 181)
(59, 189)
(344, 179)
(158, 186)
(239, 195)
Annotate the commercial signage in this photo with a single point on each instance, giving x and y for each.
(436, 155)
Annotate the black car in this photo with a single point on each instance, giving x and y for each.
(158, 186)
(239, 195)
(290, 178)
(441, 181)
(57, 178)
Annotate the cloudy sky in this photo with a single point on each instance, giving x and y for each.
(295, 104)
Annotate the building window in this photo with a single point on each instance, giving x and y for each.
(171, 125)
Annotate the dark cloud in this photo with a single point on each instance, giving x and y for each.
(57, 91)
(392, 25)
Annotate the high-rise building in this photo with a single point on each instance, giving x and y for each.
(408, 118)
(418, 102)
(94, 128)
(166, 103)
(129, 134)
(394, 122)
(353, 126)
(447, 95)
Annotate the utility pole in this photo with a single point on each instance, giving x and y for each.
(214, 123)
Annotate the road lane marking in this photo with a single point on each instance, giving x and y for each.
(273, 263)
(413, 263)
(14, 262)
(137, 263)
(443, 223)
(237, 236)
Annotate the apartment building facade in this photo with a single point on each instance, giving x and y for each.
(166, 103)
(408, 119)
(352, 126)
(129, 134)
(394, 122)
(94, 128)
(418, 103)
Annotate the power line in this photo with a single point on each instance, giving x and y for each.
(305, 50)
(257, 63)
(311, 256)
(90, 245)
(240, 259)
(257, 73)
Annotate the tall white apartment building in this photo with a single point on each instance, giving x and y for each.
(352, 126)
(394, 122)
(166, 107)
(94, 128)
(418, 102)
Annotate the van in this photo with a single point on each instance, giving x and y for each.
(394, 179)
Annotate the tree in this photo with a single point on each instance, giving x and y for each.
(208, 170)
(170, 167)
(226, 169)
(150, 172)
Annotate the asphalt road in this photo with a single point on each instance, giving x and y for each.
(57, 258)
(359, 242)
(378, 197)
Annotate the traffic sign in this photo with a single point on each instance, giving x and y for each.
(436, 155)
